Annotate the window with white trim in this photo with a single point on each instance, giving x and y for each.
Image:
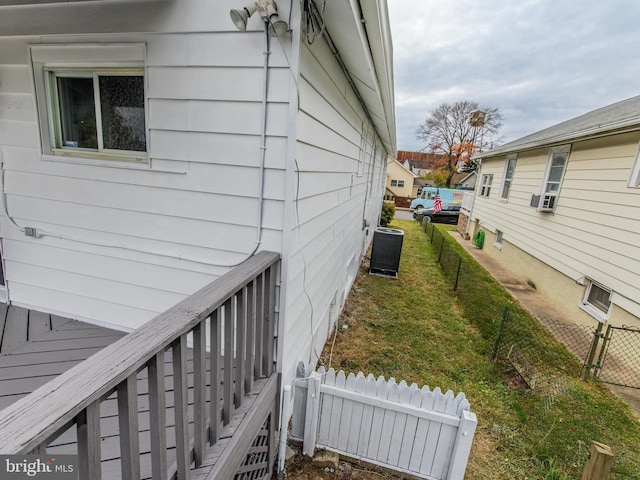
(597, 301)
(498, 242)
(97, 111)
(634, 179)
(91, 101)
(507, 178)
(397, 183)
(485, 185)
(554, 174)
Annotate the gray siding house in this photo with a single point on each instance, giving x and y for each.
(150, 147)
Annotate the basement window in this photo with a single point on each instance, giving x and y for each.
(498, 242)
(597, 301)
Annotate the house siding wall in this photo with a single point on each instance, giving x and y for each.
(594, 232)
(340, 172)
(128, 243)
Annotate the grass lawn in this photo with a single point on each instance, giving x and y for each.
(414, 329)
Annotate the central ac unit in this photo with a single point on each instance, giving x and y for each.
(543, 203)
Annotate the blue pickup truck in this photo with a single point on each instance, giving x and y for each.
(448, 196)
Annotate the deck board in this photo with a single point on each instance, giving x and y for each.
(15, 329)
(37, 351)
(39, 324)
(27, 365)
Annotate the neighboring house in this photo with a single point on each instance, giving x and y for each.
(561, 208)
(207, 145)
(399, 179)
(421, 163)
(464, 181)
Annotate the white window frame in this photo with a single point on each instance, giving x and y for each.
(54, 113)
(549, 200)
(593, 309)
(505, 186)
(634, 178)
(398, 183)
(485, 184)
(498, 241)
(78, 60)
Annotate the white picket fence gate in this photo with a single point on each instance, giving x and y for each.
(413, 430)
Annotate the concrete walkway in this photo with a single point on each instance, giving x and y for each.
(537, 305)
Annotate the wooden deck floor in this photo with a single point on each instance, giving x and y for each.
(36, 347)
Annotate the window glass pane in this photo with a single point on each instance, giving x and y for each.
(552, 187)
(505, 189)
(599, 297)
(511, 166)
(122, 109)
(559, 160)
(77, 113)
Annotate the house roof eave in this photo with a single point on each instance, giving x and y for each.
(362, 35)
(612, 119)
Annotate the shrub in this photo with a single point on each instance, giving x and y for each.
(387, 213)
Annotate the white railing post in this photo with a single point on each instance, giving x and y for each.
(462, 445)
(312, 414)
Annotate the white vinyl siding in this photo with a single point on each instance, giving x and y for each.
(170, 226)
(596, 233)
(332, 199)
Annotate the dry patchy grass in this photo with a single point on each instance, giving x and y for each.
(413, 328)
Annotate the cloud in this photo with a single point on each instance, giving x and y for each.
(540, 62)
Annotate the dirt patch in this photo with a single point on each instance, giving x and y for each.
(303, 469)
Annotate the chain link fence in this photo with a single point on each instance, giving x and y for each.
(530, 344)
(618, 360)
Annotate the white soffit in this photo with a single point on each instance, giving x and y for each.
(362, 36)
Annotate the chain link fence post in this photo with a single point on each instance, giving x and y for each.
(503, 322)
(455, 284)
(597, 335)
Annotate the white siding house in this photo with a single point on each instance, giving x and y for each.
(561, 208)
(245, 142)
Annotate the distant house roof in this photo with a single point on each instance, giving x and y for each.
(421, 160)
(461, 177)
(618, 116)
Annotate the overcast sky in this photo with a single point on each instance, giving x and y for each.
(539, 61)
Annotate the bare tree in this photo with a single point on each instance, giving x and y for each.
(459, 131)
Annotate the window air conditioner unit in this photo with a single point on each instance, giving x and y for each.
(543, 203)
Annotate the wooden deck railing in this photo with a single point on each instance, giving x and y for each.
(235, 313)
